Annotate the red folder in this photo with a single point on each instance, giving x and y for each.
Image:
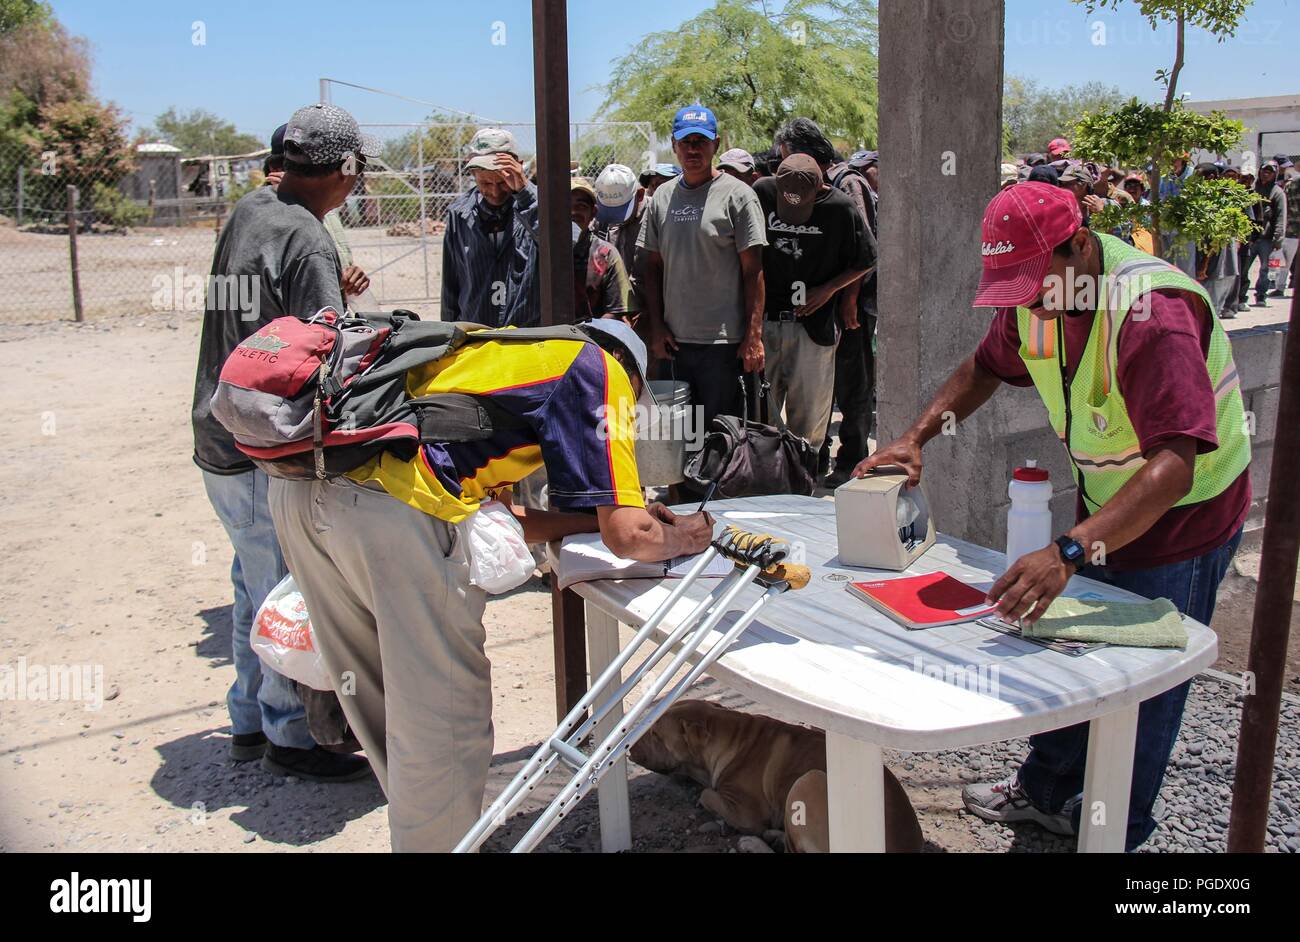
(925, 601)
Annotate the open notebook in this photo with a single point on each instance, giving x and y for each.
(584, 557)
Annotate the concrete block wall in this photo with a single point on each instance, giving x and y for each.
(1258, 354)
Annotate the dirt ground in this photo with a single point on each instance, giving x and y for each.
(118, 270)
(115, 560)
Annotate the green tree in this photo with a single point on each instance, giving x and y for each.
(200, 133)
(1033, 115)
(15, 14)
(1138, 134)
(756, 70)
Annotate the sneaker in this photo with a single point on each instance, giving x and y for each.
(314, 765)
(1275, 293)
(1242, 307)
(1260, 303)
(1006, 802)
(245, 747)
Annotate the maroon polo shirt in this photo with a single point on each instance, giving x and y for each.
(1168, 394)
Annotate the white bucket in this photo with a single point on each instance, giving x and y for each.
(661, 455)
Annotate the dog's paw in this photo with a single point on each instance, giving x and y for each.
(775, 838)
(749, 844)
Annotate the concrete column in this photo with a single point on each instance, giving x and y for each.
(940, 148)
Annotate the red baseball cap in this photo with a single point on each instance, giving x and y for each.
(1022, 225)
(1058, 146)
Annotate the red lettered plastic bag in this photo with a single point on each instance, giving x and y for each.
(282, 637)
(1277, 269)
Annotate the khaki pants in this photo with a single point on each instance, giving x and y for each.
(802, 376)
(401, 631)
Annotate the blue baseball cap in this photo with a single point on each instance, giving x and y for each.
(694, 119)
(667, 171)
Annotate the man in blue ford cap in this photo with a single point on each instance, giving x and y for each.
(703, 235)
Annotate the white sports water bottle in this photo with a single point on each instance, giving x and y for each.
(1029, 521)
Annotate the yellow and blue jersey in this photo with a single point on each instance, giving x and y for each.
(578, 409)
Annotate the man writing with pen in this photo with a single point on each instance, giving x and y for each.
(384, 572)
(1137, 375)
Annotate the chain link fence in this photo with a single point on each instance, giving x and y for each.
(137, 237)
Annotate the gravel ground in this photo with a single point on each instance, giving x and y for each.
(1196, 793)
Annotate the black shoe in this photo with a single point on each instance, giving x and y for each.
(1275, 293)
(245, 747)
(314, 765)
(837, 477)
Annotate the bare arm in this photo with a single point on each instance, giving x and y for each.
(543, 526)
(662, 342)
(751, 273)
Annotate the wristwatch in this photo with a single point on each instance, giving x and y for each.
(1072, 551)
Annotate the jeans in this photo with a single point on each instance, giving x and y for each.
(1261, 249)
(713, 370)
(1053, 772)
(259, 699)
(855, 391)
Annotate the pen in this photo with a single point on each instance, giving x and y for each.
(713, 486)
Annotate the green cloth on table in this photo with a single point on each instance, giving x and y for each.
(1155, 624)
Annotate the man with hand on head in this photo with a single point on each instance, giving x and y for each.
(490, 248)
(1146, 398)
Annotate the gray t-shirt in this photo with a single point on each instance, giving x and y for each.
(273, 258)
(700, 232)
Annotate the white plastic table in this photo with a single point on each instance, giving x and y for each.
(821, 657)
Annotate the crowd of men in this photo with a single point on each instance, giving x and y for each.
(1225, 270)
(726, 263)
(707, 270)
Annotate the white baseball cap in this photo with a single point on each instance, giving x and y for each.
(615, 194)
(486, 143)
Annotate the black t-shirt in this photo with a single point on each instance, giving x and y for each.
(832, 240)
(273, 258)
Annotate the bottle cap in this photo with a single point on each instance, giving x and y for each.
(1030, 473)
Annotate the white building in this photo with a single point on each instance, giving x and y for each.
(1272, 127)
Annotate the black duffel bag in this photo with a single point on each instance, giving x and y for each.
(751, 459)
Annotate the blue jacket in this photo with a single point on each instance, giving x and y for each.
(486, 282)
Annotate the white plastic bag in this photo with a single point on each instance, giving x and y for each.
(499, 558)
(1277, 269)
(282, 637)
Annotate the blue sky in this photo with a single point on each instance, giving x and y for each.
(262, 60)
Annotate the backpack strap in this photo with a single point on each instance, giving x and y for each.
(526, 334)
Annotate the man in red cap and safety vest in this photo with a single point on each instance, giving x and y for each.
(1129, 357)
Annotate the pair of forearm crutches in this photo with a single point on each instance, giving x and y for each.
(759, 558)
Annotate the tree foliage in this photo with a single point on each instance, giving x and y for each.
(200, 133)
(756, 69)
(1033, 115)
(41, 62)
(1139, 134)
(15, 14)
